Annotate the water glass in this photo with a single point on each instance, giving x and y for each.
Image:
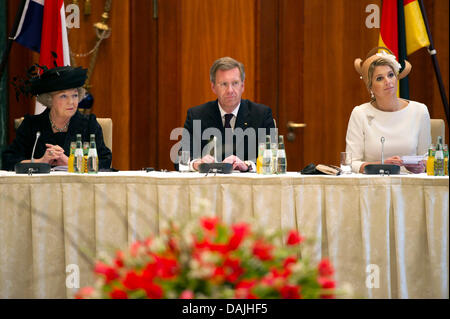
(346, 162)
(183, 161)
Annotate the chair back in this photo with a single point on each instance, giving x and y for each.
(105, 123)
(107, 128)
(17, 122)
(437, 129)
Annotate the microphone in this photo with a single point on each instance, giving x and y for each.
(215, 149)
(30, 168)
(382, 169)
(34, 147)
(217, 166)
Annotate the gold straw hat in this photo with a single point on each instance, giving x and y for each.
(362, 67)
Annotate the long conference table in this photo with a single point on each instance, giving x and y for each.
(387, 236)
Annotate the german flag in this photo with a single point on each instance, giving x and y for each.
(402, 31)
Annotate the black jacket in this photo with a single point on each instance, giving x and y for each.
(250, 115)
(22, 146)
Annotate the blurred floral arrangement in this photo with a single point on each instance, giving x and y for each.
(209, 259)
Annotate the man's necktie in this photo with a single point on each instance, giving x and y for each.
(228, 118)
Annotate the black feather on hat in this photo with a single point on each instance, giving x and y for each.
(51, 80)
(57, 79)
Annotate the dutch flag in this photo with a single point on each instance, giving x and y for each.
(42, 28)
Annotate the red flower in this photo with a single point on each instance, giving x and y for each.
(165, 267)
(134, 248)
(233, 269)
(289, 261)
(220, 248)
(325, 268)
(294, 238)
(118, 261)
(84, 292)
(262, 251)
(187, 294)
(243, 289)
(118, 294)
(109, 272)
(209, 223)
(218, 275)
(239, 233)
(274, 278)
(150, 271)
(172, 245)
(276, 273)
(326, 283)
(132, 280)
(153, 290)
(290, 292)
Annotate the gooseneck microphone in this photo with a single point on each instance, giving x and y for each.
(382, 169)
(32, 167)
(34, 147)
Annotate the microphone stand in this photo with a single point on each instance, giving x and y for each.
(382, 169)
(32, 167)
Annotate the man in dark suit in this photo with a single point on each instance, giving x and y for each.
(237, 124)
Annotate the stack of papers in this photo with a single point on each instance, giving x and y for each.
(412, 159)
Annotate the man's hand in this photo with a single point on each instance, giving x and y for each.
(237, 163)
(204, 159)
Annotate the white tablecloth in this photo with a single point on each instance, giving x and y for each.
(398, 223)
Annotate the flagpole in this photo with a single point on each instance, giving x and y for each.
(437, 71)
(5, 55)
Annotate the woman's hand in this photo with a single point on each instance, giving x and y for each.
(396, 160)
(63, 160)
(54, 155)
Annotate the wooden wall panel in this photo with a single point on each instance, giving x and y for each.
(298, 57)
(291, 78)
(192, 34)
(267, 56)
(144, 89)
(169, 78)
(111, 77)
(210, 30)
(334, 35)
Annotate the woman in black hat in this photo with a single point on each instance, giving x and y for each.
(60, 90)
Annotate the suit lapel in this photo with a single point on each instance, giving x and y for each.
(242, 116)
(215, 120)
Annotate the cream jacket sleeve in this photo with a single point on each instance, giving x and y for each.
(355, 139)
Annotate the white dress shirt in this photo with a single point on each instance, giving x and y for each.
(233, 119)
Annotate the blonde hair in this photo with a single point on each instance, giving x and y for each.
(47, 98)
(374, 64)
(225, 63)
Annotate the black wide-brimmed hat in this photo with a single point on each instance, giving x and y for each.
(51, 80)
(57, 79)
